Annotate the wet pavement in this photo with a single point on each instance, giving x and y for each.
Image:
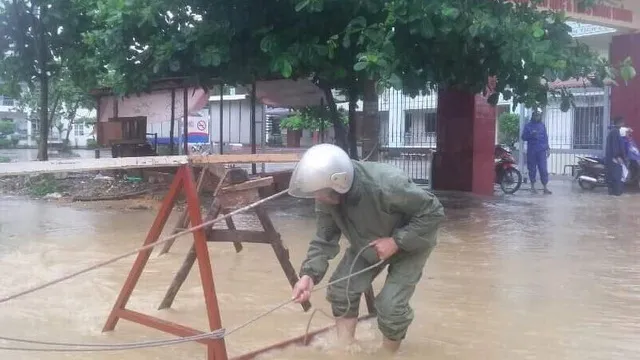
(514, 277)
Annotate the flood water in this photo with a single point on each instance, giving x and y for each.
(522, 277)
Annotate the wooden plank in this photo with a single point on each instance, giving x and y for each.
(245, 236)
(178, 279)
(162, 325)
(246, 158)
(238, 199)
(143, 256)
(282, 253)
(232, 226)
(303, 340)
(248, 185)
(79, 165)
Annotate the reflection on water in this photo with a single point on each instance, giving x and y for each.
(522, 277)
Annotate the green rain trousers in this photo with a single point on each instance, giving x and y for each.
(383, 202)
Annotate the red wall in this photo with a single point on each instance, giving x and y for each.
(466, 142)
(625, 98)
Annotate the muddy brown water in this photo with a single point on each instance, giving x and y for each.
(523, 277)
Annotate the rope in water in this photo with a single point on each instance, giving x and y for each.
(218, 334)
(133, 252)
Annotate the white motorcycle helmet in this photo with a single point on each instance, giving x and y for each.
(322, 167)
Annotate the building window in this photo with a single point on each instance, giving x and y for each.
(35, 126)
(588, 133)
(78, 129)
(7, 101)
(427, 126)
(430, 121)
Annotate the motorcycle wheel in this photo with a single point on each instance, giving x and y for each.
(586, 185)
(511, 176)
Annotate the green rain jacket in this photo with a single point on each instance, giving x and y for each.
(383, 202)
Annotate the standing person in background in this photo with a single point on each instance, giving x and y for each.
(614, 157)
(535, 134)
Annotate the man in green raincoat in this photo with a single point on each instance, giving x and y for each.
(371, 204)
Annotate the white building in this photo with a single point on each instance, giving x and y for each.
(9, 112)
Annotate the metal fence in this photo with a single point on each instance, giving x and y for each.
(408, 131)
(579, 131)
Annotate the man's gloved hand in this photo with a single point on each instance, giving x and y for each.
(548, 152)
(302, 289)
(385, 247)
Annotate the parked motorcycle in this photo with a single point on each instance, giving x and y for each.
(507, 174)
(592, 173)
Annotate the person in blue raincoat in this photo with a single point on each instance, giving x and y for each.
(614, 157)
(535, 134)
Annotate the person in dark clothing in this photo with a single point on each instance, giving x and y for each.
(614, 158)
(535, 134)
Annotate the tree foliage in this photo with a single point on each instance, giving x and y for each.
(6, 128)
(414, 45)
(508, 128)
(424, 45)
(65, 101)
(37, 39)
(314, 118)
(410, 44)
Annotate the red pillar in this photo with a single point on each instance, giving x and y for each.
(466, 142)
(624, 98)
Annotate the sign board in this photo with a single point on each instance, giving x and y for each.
(198, 130)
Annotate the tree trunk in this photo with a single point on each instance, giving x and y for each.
(338, 127)
(43, 59)
(352, 136)
(44, 118)
(72, 117)
(370, 122)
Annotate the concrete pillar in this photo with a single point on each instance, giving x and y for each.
(624, 97)
(396, 118)
(465, 143)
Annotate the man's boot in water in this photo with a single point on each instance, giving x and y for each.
(390, 347)
(346, 328)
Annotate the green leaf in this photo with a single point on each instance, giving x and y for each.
(359, 66)
(301, 5)
(451, 12)
(266, 43)
(538, 32)
(346, 41)
(285, 68)
(627, 72)
(395, 81)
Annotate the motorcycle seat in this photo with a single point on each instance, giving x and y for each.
(594, 159)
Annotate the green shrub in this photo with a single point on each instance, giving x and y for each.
(43, 185)
(92, 144)
(508, 129)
